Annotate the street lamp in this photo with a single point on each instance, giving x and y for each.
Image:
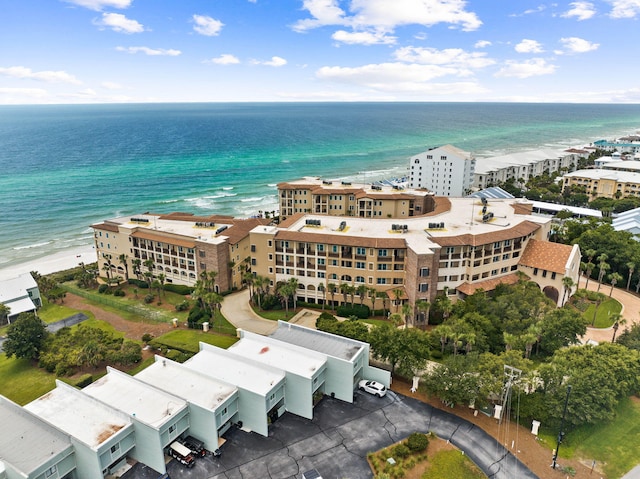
(561, 432)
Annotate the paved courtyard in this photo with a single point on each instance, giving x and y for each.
(337, 440)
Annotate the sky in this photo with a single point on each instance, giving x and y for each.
(132, 51)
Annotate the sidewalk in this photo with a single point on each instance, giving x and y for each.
(238, 312)
(630, 310)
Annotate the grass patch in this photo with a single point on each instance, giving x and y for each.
(22, 382)
(614, 445)
(605, 312)
(452, 464)
(274, 314)
(188, 340)
(375, 322)
(143, 365)
(51, 312)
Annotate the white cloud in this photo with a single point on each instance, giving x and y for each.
(364, 38)
(225, 59)
(119, 23)
(529, 46)
(150, 51)
(578, 45)
(379, 14)
(624, 8)
(526, 69)
(24, 92)
(50, 76)
(208, 26)
(449, 56)
(482, 44)
(530, 11)
(580, 10)
(274, 62)
(98, 5)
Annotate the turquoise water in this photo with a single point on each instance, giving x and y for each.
(63, 168)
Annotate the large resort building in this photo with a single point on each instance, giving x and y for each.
(420, 246)
(445, 171)
(611, 179)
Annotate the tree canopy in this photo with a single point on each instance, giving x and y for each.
(26, 337)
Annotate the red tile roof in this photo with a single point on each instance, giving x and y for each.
(489, 284)
(545, 255)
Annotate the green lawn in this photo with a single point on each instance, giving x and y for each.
(452, 464)
(613, 445)
(603, 318)
(50, 313)
(189, 339)
(22, 382)
(274, 314)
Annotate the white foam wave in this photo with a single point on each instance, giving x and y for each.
(35, 245)
(227, 188)
(252, 200)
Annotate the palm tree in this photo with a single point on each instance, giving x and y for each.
(568, 283)
(362, 292)
(123, 261)
(4, 313)
(599, 300)
(631, 267)
(470, 340)
(373, 296)
(444, 331)
(602, 268)
(588, 270)
(331, 287)
(510, 340)
(406, 312)
(161, 279)
(423, 308)
(285, 290)
(614, 278)
(618, 321)
(323, 290)
(293, 283)
(149, 274)
(136, 262)
(247, 278)
(344, 289)
(397, 295)
(107, 268)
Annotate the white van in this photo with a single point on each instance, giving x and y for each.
(181, 453)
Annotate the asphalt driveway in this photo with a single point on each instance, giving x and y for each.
(337, 440)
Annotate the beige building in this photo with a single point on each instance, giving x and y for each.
(605, 182)
(179, 246)
(460, 245)
(336, 198)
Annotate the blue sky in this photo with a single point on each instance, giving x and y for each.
(105, 51)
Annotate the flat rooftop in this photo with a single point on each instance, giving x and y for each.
(325, 343)
(464, 216)
(243, 373)
(195, 387)
(278, 354)
(518, 159)
(88, 420)
(608, 174)
(135, 398)
(27, 442)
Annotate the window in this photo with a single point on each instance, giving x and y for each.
(544, 273)
(334, 248)
(424, 272)
(423, 287)
(321, 274)
(321, 261)
(360, 265)
(172, 429)
(535, 271)
(553, 276)
(270, 243)
(202, 253)
(361, 251)
(382, 252)
(253, 248)
(359, 279)
(382, 281)
(382, 267)
(253, 261)
(51, 471)
(115, 448)
(320, 247)
(270, 257)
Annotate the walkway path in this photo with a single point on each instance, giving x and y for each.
(630, 310)
(238, 312)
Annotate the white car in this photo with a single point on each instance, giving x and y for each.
(372, 387)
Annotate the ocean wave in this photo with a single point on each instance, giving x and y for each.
(169, 201)
(252, 200)
(272, 185)
(34, 245)
(227, 188)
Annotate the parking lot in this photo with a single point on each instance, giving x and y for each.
(337, 440)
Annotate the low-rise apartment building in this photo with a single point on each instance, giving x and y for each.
(179, 246)
(523, 165)
(610, 182)
(461, 243)
(342, 198)
(445, 171)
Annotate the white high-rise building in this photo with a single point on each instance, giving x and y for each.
(446, 170)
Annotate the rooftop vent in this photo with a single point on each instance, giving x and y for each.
(343, 225)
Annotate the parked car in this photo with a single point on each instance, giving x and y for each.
(196, 446)
(372, 387)
(181, 454)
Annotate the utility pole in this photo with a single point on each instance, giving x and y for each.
(561, 432)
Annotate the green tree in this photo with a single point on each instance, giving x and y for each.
(26, 337)
(332, 288)
(405, 349)
(631, 266)
(4, 313)
(561, 327)
(614, 278)
(123, 259)
(630, 337)
(422, 306)
(567, 284)
(454, 381)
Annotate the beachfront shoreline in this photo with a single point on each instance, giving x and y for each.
(54, 263)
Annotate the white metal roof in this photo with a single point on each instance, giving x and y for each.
(136, 398)
(517, 159)
(320, 341)
(79, 415)
(278, 354)
(27, 442)
(578, 210)
(600, 174)
(195, 387)
(13, 288)
(241, 372)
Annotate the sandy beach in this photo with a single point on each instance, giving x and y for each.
(50, 264)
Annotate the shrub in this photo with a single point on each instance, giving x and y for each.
(184, 306)
(147, 337)
(417, 442)
(103, 288)
(84, 380)
(149, 298)
(435, 354)
(138, 283)
(118, 292)
(401, 451)
(346, 310)
(182, 289)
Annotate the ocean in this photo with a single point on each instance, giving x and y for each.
(65, 167)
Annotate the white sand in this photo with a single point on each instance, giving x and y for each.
(51, 264)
